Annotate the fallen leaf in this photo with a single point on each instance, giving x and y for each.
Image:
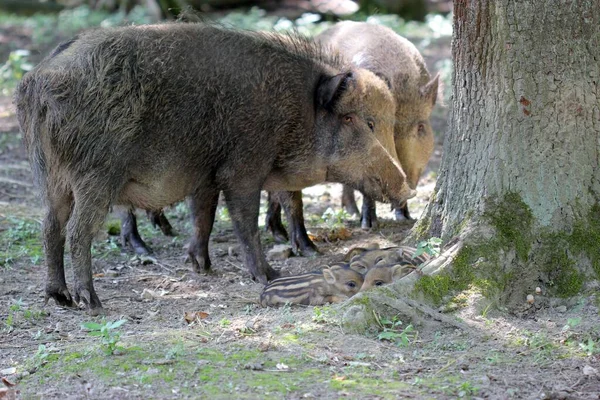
(194, 316)
(8, 383)
(339, 378)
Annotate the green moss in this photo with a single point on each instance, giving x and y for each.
(513, 220)
(435, 287)
(585, 237)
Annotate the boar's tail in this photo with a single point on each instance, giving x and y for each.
(31, 113)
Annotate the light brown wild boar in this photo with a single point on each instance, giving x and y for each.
(331, 285)
(144, 116)
(398, 62)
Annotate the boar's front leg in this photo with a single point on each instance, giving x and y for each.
(130, 234)
(57, 215)
(273, 219)
(203, 206)
(292, 204)
(348, 200)
(368, 218)
(243, 208)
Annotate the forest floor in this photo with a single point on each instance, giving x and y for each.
(198, 336)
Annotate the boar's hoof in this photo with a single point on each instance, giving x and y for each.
(60, 294)
(90, 299)
(306, 249)
(275, 226)
(200, 264)
(368, 220)
(402, 214)
(136, 242)
(268, 275)
(159, 220)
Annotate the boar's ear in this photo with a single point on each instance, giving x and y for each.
(331, 88)
(358, 267)
(329, 276)
(430, 90)
(353, 253)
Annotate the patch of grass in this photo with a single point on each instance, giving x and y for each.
(20, 240)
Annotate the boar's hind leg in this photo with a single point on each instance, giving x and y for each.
(57, 215)
(273, 219)
(89, 211)
(130, 234)
(368, 218)
(402, 213)
(348, 200)
(292, 204)
(159, 219)
(203, 206)
(243, 209)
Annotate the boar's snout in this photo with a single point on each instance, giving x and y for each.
(386, 180)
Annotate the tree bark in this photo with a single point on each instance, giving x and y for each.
(518, 194)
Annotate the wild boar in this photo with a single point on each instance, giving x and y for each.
(332, 284)
(382, 274)
(404, 255)
(145, 116)
(399, 63)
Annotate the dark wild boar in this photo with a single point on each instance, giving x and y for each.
(331, 285)
(145, 116)
(399, 63)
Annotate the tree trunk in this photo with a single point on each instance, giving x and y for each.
(517, 200)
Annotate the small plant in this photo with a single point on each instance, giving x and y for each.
(224, 323)
(13, 69)
(430, 246)
(41, 355)
(590, 347)
(110, 337)
(393, 331)
(335, 219)
(466, 389)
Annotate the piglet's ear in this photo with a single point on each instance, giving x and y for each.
(331, 88)
(329, 276)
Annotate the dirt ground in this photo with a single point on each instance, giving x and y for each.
(191, 336)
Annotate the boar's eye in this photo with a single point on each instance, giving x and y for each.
(379, 283)
(351, 284)
(371, 125)
(378, 260)
(421, 129)
(348, 119)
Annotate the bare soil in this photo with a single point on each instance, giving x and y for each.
(191, 336)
